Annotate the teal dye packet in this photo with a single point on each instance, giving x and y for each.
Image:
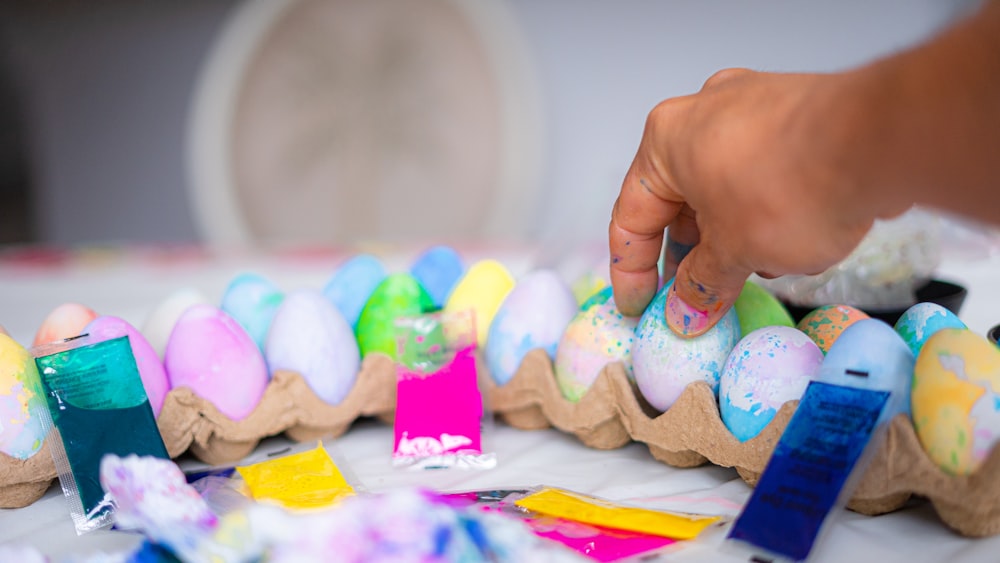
(97, 405)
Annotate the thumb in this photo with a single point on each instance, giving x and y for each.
(704, 289)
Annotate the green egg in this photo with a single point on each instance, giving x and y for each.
(399, 295)
(757, 308)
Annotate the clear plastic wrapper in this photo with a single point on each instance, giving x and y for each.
(441, 418)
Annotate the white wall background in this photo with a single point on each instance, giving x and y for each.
(106, 88)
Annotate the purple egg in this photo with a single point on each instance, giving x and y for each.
(151, 371)
(212, 354)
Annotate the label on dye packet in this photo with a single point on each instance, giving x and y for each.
(809, 468)
(92, 376)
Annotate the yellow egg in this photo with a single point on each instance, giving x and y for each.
(21, 402)
(956, 399)
(482, 289)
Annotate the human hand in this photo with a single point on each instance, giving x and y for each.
(746, 174)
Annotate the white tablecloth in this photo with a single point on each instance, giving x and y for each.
(131, 286)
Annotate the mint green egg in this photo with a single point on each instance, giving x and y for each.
(398, 295)
(757, 308)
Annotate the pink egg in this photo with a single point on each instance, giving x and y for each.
(65, 321)
(154, 377)
(209, 352)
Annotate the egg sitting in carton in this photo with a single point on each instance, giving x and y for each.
(574, 370)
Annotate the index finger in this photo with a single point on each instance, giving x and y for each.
(635, 236)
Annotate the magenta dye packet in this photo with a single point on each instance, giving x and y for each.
(441, 413)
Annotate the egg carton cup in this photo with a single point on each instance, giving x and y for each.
(611, 414)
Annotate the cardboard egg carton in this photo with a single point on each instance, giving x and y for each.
(611, 414)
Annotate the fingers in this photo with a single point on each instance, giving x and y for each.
(705, 287)
(682, 236)
(635, 237)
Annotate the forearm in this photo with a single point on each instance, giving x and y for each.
(923, 126)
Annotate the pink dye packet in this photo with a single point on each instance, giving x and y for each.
(440, 410)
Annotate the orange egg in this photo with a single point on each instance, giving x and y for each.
(65, 321)
(824, 325)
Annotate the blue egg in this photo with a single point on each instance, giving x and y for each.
(922, 320)
(352, 284)
(664, 363)
(438, 270)
(534, 314)
(252, 300)
(869, 354)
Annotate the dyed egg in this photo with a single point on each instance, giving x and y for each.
(252, 300)
(597, 336)
(767, 368)
(534, 315)
(956, 399)
(756, 308)
(482, 289)
(587, 285)
(162, 319)
(352, 284)
(665, 363)
(869, 354)
(21, 401)
(438, 270)
(922, 320)
(212, 354)
(825, 324)
(399, 295)
(65, 321)
(154, 377)
(309, 336)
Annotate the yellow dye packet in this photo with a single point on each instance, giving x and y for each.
(308, 479)
(598, 512)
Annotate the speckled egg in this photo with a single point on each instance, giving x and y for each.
(534, 315)
(352, 284)
(825, 324)
(160, 322)
(252, 300)
(756, 308)
(597, 336)
(956, 399)
(21, 401)
(482, 289)
(665, 363)
(922, 320)
(151, 371)
(399, 295)
(65, 321)
(309, 335)
(869, 354)
(438, 270)
(767, 368)
(212, 354)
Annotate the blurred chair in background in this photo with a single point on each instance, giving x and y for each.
(337, 121)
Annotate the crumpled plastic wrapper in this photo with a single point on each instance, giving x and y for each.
(895, 258)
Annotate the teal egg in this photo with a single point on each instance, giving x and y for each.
(922, 320)
(252, 300)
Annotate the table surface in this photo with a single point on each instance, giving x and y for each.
(130, 283)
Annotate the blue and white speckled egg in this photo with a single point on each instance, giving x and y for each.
(438, 271)
(869, 354)
(920, 321)
(767, 368)
(534, 314)
(597, 336)
(664, 363)
(352, 284)
(311, 337)
(252, 300)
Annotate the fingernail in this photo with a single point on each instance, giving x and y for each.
(684, 319)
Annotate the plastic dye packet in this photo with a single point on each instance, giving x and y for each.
(586, 509)
(305, 480)
(96, 406)
(441, 417)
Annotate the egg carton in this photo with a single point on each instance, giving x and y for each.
(611, 414)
